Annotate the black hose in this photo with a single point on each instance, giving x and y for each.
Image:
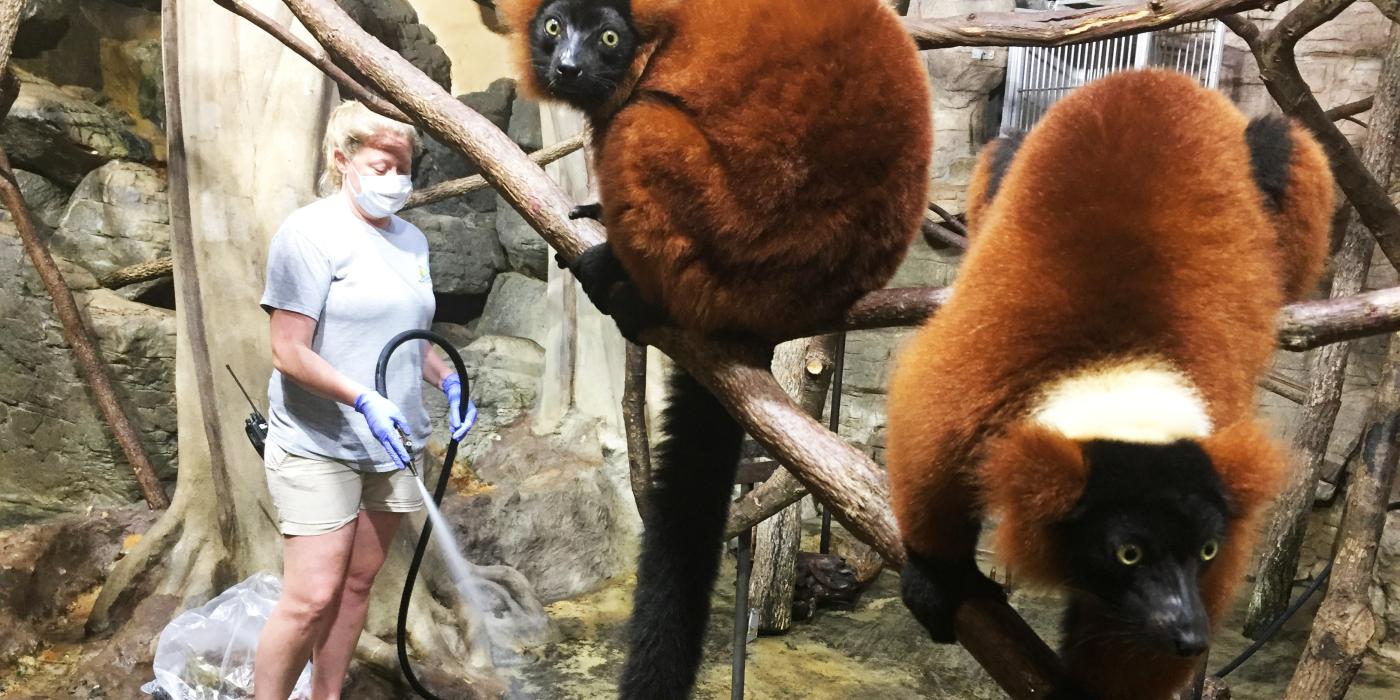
(438, 491)
(1277, 624)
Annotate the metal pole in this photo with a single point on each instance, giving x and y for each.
(835, 423)
(741, 611)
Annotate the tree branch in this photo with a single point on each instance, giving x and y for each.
(140, 272)
(1273, 51)
(1060, 27)
(316, 57)
(467, 185)
(1350, 109)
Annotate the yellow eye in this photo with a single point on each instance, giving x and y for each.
(1209, 550)
(610, 38)
(1129, 554)
(551, 27)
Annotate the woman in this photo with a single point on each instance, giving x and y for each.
(344, 275)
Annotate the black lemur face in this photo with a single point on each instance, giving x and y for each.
(581, 49)
(1147, 527)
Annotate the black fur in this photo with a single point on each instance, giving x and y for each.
(1270, 151)
(693, 469)
(610, 289)
(1001, 160)
(569, 55)
(934, 589)
(597, 270)
(1168, 502)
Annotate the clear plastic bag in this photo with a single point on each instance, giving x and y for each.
(206, 653)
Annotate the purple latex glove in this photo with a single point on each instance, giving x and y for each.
(383, 417)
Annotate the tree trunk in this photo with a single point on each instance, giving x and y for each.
(248, 157)
(1345, 624)
(1288, 522)
(803, 368)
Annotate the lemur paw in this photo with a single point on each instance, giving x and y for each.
(597, 271)
(632, 313)
(934, 589)
(592, 210)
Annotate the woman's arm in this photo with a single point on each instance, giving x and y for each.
(292, 356)
(434, 368)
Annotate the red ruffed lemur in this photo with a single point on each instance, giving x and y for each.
(761, 165)
(1091, 380)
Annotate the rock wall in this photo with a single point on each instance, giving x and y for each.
(84, 134)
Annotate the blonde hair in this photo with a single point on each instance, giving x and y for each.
(350, 125)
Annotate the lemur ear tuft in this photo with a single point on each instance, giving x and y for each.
(1034, 473)
(1270, 154)
(1033, 477)
(1249, 462)
(992, 164)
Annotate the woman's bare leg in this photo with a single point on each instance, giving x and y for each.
(375, 530)
(313, 573)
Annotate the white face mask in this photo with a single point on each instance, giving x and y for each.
(382, 195)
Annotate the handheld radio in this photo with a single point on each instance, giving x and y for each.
(254, 425)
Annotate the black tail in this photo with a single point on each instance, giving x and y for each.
(694, 473)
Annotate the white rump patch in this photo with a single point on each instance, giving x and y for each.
(1134, 401)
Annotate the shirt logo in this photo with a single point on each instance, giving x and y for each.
(423, 275)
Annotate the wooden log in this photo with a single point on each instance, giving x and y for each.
(140, 272)
(1060, 27)
(803, 368)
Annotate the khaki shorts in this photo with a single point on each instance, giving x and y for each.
(315, 495)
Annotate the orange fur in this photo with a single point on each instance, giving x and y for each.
(769, 164)
(1128, 225)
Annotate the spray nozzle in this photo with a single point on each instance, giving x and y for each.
(408, 447)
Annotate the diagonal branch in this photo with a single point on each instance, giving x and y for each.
(1060, 27)
(1278, 66)
(315, 57)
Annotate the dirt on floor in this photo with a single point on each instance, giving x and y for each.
(875, 650)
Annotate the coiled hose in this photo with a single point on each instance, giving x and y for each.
(438, 491)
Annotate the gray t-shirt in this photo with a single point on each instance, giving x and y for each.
(363, 285)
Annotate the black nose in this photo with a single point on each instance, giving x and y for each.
(1190, 642)
(567, 70)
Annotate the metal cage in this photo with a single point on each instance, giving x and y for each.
(1038, 77)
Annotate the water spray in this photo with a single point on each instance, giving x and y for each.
(438, 491)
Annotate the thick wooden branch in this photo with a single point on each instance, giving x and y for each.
(1273, 51)
(1312, 324)
(79, 339)
(316, 57)
(472, 183)
(1301, 326)
(1345, 625)
(1059, 27)
(140, 272)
